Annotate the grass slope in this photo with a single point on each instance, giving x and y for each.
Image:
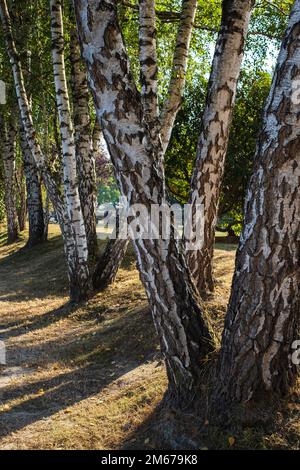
(92, 377)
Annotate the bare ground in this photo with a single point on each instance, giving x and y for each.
(91, 377)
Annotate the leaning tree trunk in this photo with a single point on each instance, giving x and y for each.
(36, 219)
(9, 163)
(213, 141)
(174, 96)
(34, 196)
(84, 147)
(70, 183)
(109, 262)
(263, 315)
(182, 326)
(160, 125)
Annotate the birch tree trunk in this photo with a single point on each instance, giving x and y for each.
(263, 315)
(78, 288)
(36, 219)
(70, 183)
(84, 146)
(109, 262)
(174, 97)
(9, 164)
(214, 136)
(21, 197)
(148, 65)
(34, 196)
(159, 124)
(183, 328)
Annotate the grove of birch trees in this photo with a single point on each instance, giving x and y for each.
(168, 87)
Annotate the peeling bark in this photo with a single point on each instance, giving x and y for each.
(214, 136)
(183, 328)
(263, 315)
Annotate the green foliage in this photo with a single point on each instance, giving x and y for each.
(252, 92)
(108, 192)
(31, 24)
(179, 159)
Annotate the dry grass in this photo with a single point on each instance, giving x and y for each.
(91, 377)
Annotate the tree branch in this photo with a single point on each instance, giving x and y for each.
(148, 62)
(177, 82)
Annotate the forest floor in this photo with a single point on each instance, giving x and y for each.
(91, 376)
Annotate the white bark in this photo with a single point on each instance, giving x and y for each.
(178, 76)
(85, 157)
(148, 63)
(263, 316)
(9, 166)
(183, 328)
(77, 281)
(70, 182)
(214, 136)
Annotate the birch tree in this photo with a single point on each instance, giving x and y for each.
(34, 195)
(178, 75)
(159, 122)
(9, 135)
(21, 194)
(36, 221)
(263, 315)
(70, 182)
(183, 328)
(214, 135)
(85, 158)
(77, 272)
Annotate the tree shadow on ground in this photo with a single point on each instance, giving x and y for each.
(36, 322)
(226, 246)
(23, 272)
(117, 345)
